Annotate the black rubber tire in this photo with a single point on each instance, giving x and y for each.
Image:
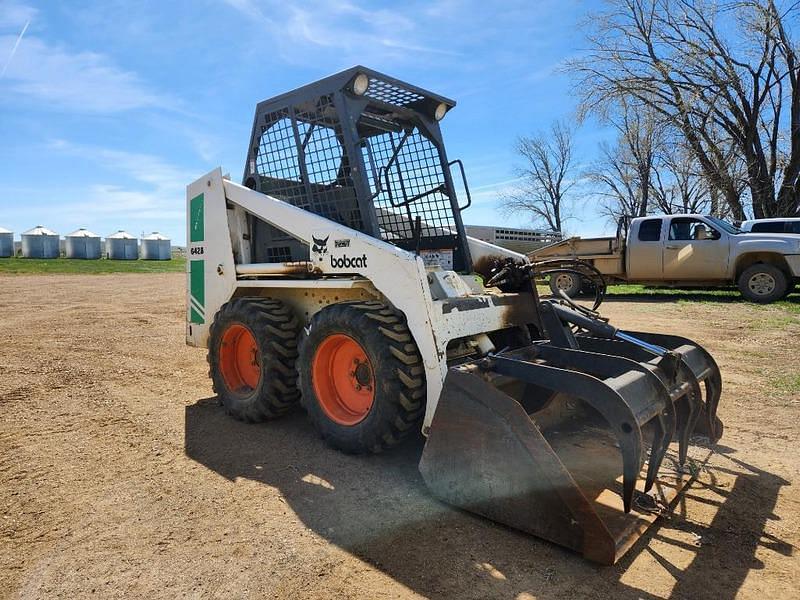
(276, 330)
(779, 290)
(399, 402)
(573, 290)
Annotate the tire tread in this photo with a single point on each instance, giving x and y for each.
(399, 374)
(276, 329)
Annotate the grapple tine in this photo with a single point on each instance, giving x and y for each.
(713, 385)
(713, 393)
(655, 392)
(685, 391)
(682, 378)
(573, 372)
(657, 451)
(668, 424)
(693, 398)
(706, 371)
(662, 436)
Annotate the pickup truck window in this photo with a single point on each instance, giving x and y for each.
(650, 230)
(688, 229)
(769, 227)
(724, 225)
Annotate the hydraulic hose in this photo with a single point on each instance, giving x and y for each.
(603, 329)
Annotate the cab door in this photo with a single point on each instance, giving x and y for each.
(645, 248)
(694, 249)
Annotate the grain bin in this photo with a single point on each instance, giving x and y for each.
(122, 246)
(6, 243)
(40, 242)
(156, 247)
(83, 244)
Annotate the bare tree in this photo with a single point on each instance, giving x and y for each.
(789, 50)
(650, 169)
(678, 184)
(617, 182)
(546, 177)
(625, 170)
(725, 75)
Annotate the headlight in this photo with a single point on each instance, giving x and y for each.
(360, 84)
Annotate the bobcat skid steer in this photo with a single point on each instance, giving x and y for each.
(339, 277)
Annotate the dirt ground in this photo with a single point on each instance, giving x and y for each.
(121, 476)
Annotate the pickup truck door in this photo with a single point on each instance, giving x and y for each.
(694, 249)
(645, 249)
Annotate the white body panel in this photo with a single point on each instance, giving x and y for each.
(350, 265)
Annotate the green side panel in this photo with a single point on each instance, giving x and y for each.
(197, 226)
(197, 289)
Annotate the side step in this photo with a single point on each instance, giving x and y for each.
(537, 438)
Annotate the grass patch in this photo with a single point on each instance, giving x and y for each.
(41, 266)
(790, 304)
(788, 383)
(776, 320)
(632, 289)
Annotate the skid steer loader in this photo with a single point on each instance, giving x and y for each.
(339, 276)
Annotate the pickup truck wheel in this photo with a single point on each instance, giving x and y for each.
(570, 283)
(763, 283)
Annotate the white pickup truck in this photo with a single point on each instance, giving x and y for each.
(684, 251)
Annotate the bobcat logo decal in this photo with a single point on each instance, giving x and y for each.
(320, 247)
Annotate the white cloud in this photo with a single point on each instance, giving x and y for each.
(82, 82)
(15, 14)
(155, 194)
(109, 200)
(491, 193)
(301, 32)
(248, 8)
(200, 133)
(144, 168)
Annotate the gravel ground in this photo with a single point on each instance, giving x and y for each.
(121, 477)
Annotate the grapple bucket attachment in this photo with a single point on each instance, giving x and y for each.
(568, 443)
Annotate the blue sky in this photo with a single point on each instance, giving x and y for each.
(108, 108)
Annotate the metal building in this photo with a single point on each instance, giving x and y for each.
(83, 244)
(156, 247)
(40, 242)
(6, 243)
(122, 246)
(513, 238)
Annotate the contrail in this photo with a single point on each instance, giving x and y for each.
(14, 49)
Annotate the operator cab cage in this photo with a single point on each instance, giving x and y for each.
(366, 151)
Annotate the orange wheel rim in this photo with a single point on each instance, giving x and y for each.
(343, 378)
(239, 359)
